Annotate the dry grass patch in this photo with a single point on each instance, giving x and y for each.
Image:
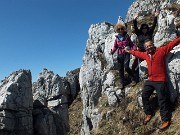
(124, 119)
(75, 116)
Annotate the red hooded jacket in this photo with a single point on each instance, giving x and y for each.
(156, 63)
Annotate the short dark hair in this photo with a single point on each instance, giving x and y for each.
(147, 40)
(144, 25)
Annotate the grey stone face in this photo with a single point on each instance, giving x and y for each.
(98, 73)
(52, 95)
(42, 108)
(38, 110)
(16, 104)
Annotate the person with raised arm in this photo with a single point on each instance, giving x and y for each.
(155, 58)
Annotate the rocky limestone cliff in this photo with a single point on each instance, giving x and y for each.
(38, 109)
(16, 104)
(99, 76)
(52, 96)
(101, 108)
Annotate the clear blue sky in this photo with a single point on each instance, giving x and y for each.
(52, 34)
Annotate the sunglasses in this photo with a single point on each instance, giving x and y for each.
(144, 28)
(120, 29)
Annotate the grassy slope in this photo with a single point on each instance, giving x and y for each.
(75, 116)
(125, 119)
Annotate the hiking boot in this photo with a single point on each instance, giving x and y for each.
(148, 118)
(165, 125)
(133, 83)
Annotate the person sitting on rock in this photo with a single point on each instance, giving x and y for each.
(121, 42)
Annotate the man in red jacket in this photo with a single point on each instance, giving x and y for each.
(155, 58)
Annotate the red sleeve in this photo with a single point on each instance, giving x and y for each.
(115, 46)
(167, 48)
(138, 54)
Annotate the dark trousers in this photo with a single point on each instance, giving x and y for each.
(123, 60)
(135, 68)
(135, 65)
(163, 98)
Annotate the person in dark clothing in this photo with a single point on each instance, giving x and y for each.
(135, 65)
(145, 32)
(121, 42)
(155, 58)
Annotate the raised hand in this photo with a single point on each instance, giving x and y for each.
(136, 15)
(156, 13)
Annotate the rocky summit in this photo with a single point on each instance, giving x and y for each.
(89, 101)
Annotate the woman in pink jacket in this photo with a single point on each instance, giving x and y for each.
(121, 42)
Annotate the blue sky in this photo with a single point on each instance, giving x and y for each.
(52, 34)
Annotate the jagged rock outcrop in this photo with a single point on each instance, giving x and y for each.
(42, 109)
(52, 96)
(16, 104)
(144, 7)
(98, 74)
(167, 23)
(73, 79)
(91, 74)
(173, 72)
(38, 110)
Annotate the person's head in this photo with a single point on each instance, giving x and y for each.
(144, 28)
(149, 46)
(119, 28)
